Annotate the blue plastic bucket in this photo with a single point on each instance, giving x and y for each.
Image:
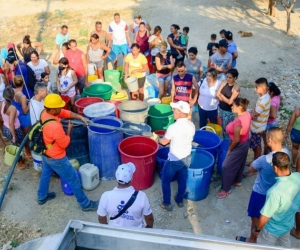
(112, 56)
(99, 109)
(103, 145)
(207, 141)
(199, 175)
(65, 187)
(222, 154)
(139, 127)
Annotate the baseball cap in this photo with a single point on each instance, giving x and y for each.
(223, 43)
(228, 35)
(125, 172)
(184, 107)
(10, 45)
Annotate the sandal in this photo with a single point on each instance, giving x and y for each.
(241, 238)
(222, 194)
(237, 184)
(22, 165)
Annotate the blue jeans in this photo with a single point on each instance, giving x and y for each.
(204, 115)
(169, 171)
(65, 171)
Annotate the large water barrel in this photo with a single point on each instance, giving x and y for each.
(207, 141)
(199, 175)
(141, 151)
(99, 109)
(86, 101)
(133, 111)
(138, 127)
(79, 147)
(160, 116)
(103, 144)
(222, 154)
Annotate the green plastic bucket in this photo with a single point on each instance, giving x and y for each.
(114, 77)
(10, 154)
(103, 91)
(160, 117)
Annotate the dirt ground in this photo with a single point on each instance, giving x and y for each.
(269, 53)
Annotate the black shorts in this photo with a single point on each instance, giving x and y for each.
(141, 82)
(152, 60)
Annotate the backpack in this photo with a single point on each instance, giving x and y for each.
(31, 78)
(35, 135)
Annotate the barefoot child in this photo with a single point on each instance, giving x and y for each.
(45, 79)
(66, 81)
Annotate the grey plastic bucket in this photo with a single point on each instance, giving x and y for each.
(139, 127)
(134, 111)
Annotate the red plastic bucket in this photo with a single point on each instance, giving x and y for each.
(67, 101)
(86, 101)
(116, 103)
(141, 151)
(160, 132)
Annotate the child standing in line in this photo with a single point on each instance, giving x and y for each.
(260, 115)
(184, 40)
(213, 38)
(45, 79)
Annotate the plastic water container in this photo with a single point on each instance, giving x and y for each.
(160, 116)
(152, 91)
(75, 164)
(199, 175)
(99, 109)
(37, 162)
(139, 127)
(65, 187)
(132, 84)
(222, 154)
(153, 101)
(89, 176)
(10, 154)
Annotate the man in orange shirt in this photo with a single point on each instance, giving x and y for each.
(55, 159)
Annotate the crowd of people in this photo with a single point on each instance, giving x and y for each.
(25, 96)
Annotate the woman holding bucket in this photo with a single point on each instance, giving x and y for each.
(208, 101)
(95, 54)
(228, 91)
(136, 66)
(234, 163)
(11, 124)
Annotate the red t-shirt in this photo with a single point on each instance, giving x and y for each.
(244, 121)
(75, 61)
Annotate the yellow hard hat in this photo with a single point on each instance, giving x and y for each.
(54, 101)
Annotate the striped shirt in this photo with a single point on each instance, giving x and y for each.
(183, 87)
(263, 108)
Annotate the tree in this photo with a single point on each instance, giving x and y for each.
(288, 6)
(272, 7)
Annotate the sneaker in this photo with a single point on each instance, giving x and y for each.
(179, 204)
(49, 197)
(91, 207)
(166, 207)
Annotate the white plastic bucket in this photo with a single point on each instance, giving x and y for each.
(132, 84)
(91, 69)
(153, 101)
(97, 81)
(37, 162)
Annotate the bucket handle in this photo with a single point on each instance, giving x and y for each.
(197, 173)
(213, 130)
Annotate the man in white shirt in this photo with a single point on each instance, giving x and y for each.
(180, 136)
(120, 32)
(36, 105)
(112, 202)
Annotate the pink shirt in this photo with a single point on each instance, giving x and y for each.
(75, 61)
(275, 102)
(5, 118)
(244, 121)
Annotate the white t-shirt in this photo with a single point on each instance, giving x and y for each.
(207, 96)
(181, 134)
(35, 109)
(111, 202)
(118, 32)
(65, 82)
(38, 69)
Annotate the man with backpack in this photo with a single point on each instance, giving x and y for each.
(54, 159)
(125, 206)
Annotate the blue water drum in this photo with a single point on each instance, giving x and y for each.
(222, 154)
(207, 141)
(138, 127)
(199, 175)
(79, 146)
(103, 145)
(65, 187)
